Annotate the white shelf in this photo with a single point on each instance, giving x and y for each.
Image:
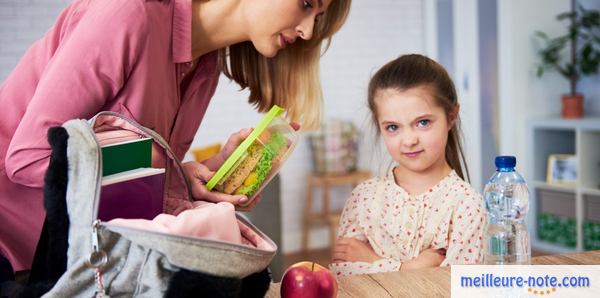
(580, 137)
(551, 247)
(588, 123)
(544, 185)
(590, 191)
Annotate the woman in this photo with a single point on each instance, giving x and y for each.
(157, 62)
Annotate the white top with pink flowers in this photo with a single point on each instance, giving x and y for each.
(399, 225)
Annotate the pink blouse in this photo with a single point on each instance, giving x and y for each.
(399, 225)
(127, 56)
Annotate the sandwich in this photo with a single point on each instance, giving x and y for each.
(254, 169)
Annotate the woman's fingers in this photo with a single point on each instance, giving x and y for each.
(234, 140)
(251, 206)
(238, 137)
(202, 193)
(295, 126)
(198, 174)
(221, 197)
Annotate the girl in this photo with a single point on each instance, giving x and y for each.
(423, 208)
(157, 62)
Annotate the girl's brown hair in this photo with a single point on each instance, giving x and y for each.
(412, 71)
(290, 79)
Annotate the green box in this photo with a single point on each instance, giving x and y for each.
(125, 156)
(557, 229)
(591, 235)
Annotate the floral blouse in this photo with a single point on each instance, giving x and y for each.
(399, 225)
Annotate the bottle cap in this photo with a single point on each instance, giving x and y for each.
(505, 161)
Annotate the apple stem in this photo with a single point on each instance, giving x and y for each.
(313, 267)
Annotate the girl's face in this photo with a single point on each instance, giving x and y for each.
(275, 24)
(414, 128)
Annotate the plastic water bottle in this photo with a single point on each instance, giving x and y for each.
(506, 201)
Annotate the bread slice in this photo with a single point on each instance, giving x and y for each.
(264, 167)
(236, 178)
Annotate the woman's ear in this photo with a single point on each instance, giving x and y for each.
(453, 116)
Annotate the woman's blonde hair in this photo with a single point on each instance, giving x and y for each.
(290, 79)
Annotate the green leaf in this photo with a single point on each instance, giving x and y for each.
(562, 41)
(566, 15)
(584, 28)
(573, 32)
(590, 19)
(541, 35)
(540, 71)
(590, 62)
(587, 50)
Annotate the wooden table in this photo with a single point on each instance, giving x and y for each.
(430, 282)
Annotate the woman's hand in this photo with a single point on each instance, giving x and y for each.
(234, 140)
(295, 126)
(430, 257)
(198, 174)
(353, 250)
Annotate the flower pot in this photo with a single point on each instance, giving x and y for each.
(572, 106)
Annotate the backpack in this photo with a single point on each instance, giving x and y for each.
(120, 261)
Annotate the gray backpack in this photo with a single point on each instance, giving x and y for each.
(116, 261)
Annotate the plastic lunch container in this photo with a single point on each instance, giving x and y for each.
(258, 158)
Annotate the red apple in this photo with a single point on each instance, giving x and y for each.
(307, 280)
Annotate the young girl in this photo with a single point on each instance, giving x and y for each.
(422, 213)
(159, 63)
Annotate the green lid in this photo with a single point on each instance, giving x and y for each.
(241, 149)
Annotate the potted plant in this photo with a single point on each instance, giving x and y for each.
(583, 41)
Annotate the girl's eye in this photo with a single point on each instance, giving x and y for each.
(423, 123)
(391, 127)
(306, 4)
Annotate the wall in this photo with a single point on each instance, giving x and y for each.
(21, 23)
(522, 95)
(444, 12)
(468, 83)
